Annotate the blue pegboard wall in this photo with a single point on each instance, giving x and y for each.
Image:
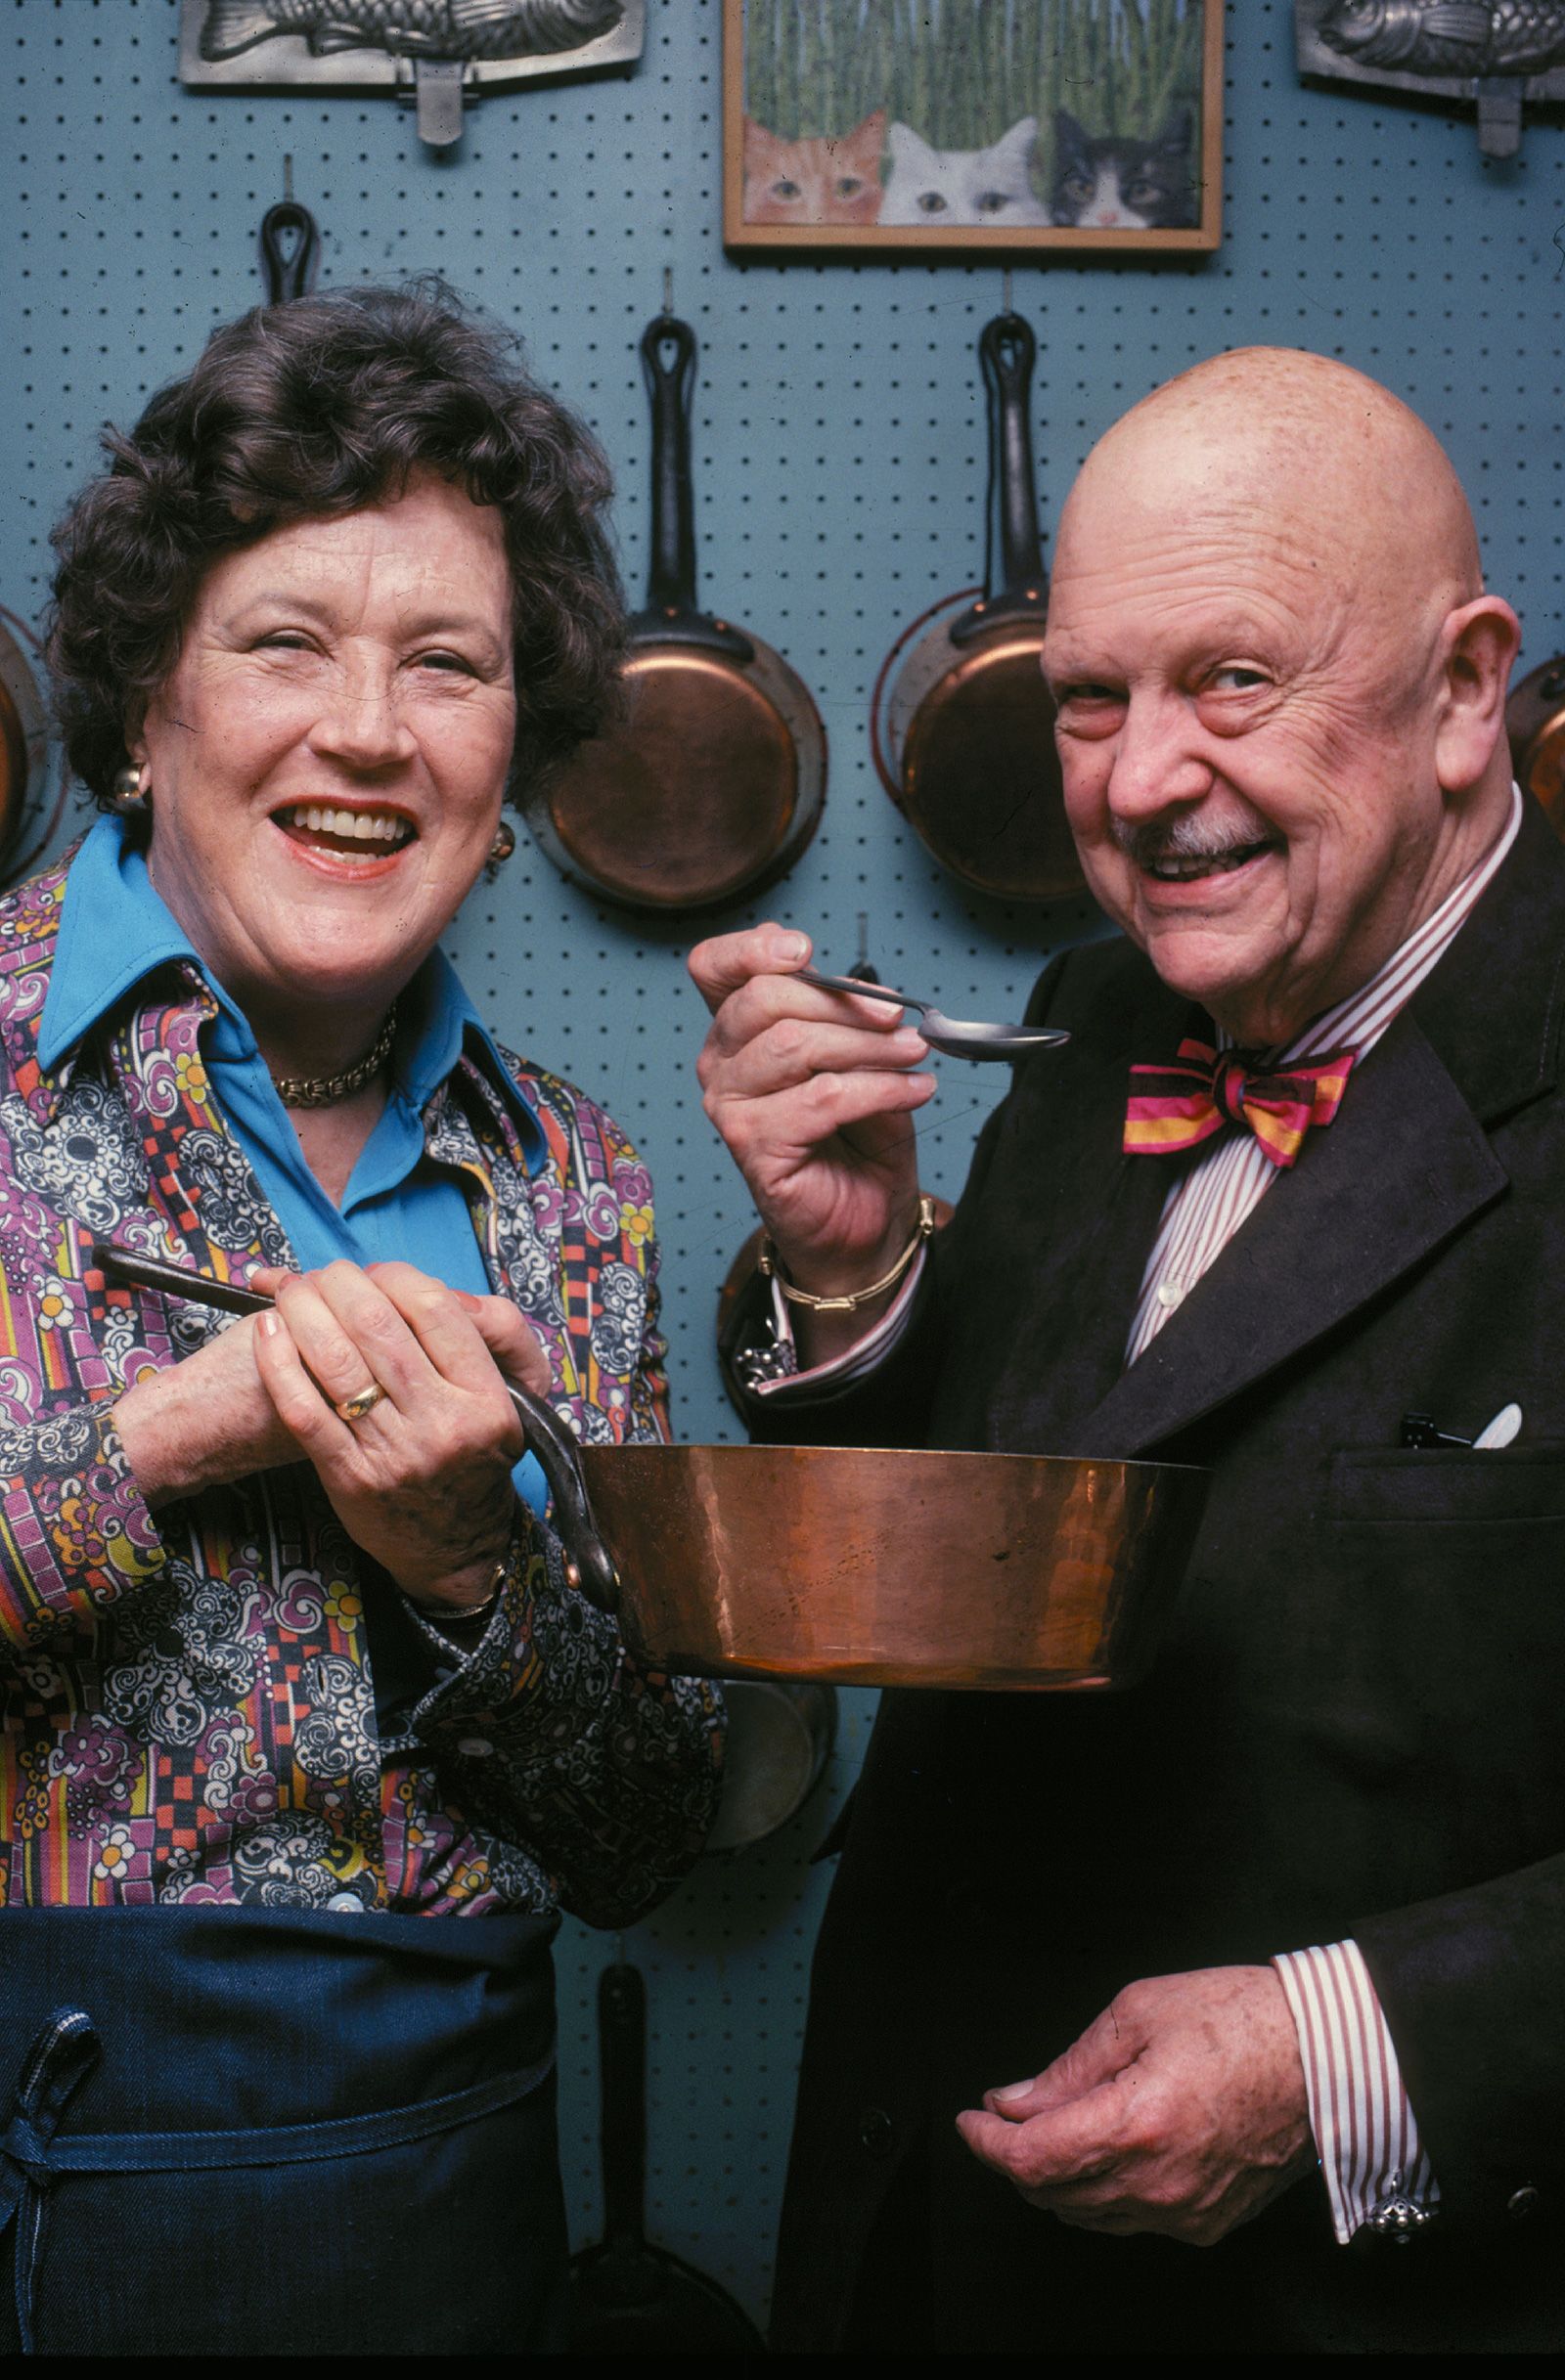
(840, 490)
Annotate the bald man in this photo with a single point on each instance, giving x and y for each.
(1264, 1955)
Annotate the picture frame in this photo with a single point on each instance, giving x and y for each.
(960, 127)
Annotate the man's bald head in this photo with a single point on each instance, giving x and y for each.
(1281, 683)
(1331, 458)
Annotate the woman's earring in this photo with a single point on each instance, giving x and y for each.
(133, 795)
(500, 850)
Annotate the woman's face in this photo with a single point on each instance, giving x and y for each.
(326, 758)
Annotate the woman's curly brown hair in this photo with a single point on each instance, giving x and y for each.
(318, 405)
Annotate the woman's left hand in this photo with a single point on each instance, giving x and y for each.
(423, 1480)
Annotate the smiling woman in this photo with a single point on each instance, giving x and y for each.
(281, 1601)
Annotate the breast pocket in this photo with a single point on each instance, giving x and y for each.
(1449, 1487)
(1452, 1567)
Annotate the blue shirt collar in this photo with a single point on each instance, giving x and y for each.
(115, 930)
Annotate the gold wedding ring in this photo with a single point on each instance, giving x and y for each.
(354, 1408)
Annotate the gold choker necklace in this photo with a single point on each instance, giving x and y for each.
(325, 1091)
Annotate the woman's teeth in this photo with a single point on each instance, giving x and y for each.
(380, 827)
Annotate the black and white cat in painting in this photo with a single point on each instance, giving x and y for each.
(1111, 184)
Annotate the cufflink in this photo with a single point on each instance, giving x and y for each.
(1397, 2217)
(756, 1366)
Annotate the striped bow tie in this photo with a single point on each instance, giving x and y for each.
(1206, 1090)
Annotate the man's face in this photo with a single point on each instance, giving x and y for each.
(1247, 741)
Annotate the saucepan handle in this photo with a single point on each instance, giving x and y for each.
(589, 1565)
(1006, 350)
(668, 360)
(288, 275)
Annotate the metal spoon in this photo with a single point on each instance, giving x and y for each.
(953, 1036)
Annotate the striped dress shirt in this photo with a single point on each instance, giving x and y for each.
(1365, 2130)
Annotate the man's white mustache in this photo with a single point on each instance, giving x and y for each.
(1186, 838)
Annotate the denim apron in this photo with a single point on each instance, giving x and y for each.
(277, 2133)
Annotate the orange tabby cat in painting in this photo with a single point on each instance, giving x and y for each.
(814, 181)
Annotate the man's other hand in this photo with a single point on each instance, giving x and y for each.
(1182, 2109)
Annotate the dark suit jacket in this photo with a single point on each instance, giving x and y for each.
(1356, 1727)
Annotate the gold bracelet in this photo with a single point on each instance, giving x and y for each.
(771, 1265)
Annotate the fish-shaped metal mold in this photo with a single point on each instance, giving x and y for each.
(1448, 36)
(411, 29)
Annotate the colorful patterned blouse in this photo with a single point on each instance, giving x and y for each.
(189, 1706)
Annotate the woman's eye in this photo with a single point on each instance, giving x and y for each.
(452, 663)
(849, 186)
(931, 203)
(787, 190)
(285, 640)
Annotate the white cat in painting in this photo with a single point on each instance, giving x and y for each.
(989, 188)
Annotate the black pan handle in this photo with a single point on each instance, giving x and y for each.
(668, 363)
(1008, 352)
(288, 272)
(622, 2043)
(589, 1565)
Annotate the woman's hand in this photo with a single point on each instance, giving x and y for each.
(204, 1421)
(421, 1482)
(814, 1095)
(216, 1417)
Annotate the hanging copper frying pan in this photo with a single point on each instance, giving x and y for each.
(23, 738)
(967, 750)
(1535, 719)
(711, 784)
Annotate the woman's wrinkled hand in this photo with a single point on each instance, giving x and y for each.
(423, 1481)
(203, 1422)
(814, 1094)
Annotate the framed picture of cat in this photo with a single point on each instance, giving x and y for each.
(949, 126)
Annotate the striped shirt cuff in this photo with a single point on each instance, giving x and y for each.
(1364, 2130)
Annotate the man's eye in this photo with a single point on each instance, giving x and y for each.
(1235, 678)
(849, 186)
(930, 202)
(787, 190)
(992, 201)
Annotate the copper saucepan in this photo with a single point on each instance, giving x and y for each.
(712, 783)
(874, 1567)
(1535, 720)
(967, 752)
